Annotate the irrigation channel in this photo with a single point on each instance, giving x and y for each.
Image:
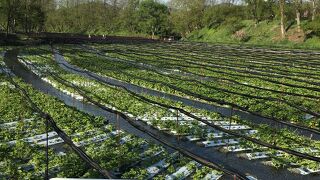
(229, 161)
(197, 104)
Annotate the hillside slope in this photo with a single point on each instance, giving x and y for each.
(246, 32)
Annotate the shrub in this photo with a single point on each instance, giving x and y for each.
(312, 28)
(241, 35)
(233, 25)
(214, 16)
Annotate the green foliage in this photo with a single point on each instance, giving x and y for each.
(233, 25)
(186, 15)
(153, 17)
(22, 15)
(128, 19)
(198, 20)
(135, 173)
(260, 10)
(216, 15)
(134, 18)
(313, 27)
(102, 19)
(71, 165)
(265, 33)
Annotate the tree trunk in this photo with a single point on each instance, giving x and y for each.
(8, 17)
(255, 13)
(26, 17)
(152, 35)
(313, 10)
(114, 6)
(298, 5)
(298, 20)
(8, 22)
(282, 26)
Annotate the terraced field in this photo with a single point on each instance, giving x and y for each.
(160, 111)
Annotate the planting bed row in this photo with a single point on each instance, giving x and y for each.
(166, 119)
(126, 156)
(202, 82)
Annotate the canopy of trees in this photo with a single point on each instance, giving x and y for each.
(152, 17)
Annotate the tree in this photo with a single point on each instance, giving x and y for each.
(129, 17)
(314, 9)
(3, 15)
(153, 17)
(259, 10)
(282, 26)
(33, 18)
(22, 15)
(187, 15)
(9, 7)
(298, 6)
(253, 8)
